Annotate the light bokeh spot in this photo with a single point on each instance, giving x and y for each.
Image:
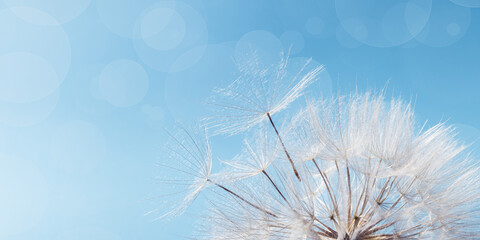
(163, 29)
(87, 97)
(121, 17)
(26, 77)
(385, 23)
(265, 46)
(346, 40)
(168, 32)
(26, 45)
(34, 16)
(62, 11)
(453, 29)
(447, 25)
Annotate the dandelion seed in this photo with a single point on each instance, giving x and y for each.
(192, 165)
(259, 93)
(258, 154)
(194, 160)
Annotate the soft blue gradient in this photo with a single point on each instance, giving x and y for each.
(87, 88)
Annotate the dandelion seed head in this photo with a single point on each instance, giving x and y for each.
(353, 167)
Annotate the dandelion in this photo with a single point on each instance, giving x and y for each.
(353, 167)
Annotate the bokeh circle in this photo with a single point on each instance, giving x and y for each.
(162, 29)
(383, 23)
(61, 11)
(120, 17)
(447, 24)
(26, 77)
(168, 32)
(35, 59)
(262, 45)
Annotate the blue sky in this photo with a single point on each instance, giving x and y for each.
(87, 87)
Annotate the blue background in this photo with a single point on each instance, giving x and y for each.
(87, 87)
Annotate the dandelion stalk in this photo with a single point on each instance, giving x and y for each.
(284, 148)
(275, 186)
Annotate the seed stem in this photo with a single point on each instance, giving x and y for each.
(243, 199)
(284, 148)
(275, 185)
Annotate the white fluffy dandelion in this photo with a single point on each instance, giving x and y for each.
(353, 167)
